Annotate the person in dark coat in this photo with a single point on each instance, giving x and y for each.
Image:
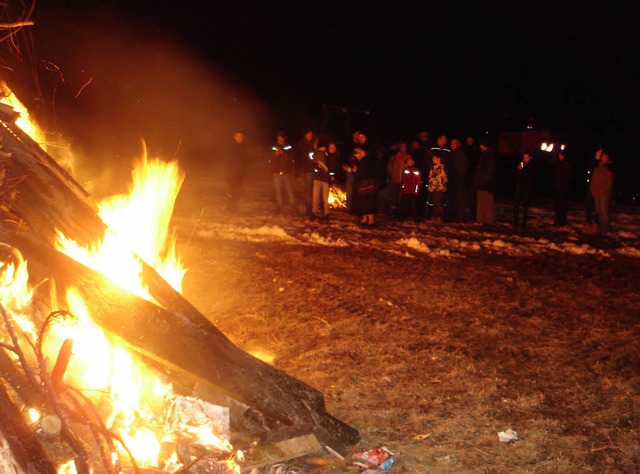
(459, 168)
(524, 190)
(484, 183)
(562, 171)
(304, 150)
(366, 183)
(421, 152)
(282, 166)
(473, 151)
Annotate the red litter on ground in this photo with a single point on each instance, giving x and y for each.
(379, 458)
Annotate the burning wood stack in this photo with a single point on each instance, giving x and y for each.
(212, 382)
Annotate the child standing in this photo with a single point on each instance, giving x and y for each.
(437, 187)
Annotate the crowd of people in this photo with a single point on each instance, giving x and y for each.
(428, 178)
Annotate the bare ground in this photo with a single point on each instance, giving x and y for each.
(432, 357)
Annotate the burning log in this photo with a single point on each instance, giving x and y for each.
(61, 364)
(39, 199)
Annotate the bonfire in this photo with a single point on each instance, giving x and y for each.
(103, 356)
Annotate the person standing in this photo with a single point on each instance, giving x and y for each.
(397, 164)
(459, 169)
(304, 151)
(366, 182)
(237, 165)
(282, 166)
(320, 202)
(437, 186)
(349, 171)
(409, 190)
(601, 187)
(484, 182)
(524, 190)
(473, 151)
(562, 169)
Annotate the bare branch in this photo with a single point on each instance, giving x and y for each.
(17, 24)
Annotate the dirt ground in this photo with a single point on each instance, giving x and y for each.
(430, 357)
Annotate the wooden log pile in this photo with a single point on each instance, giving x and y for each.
(38, 199)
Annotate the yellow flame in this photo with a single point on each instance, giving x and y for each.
(102, 365)
(337, 197)
(23, 121)
(142, 217)
(263, 355)
(68, 468)
(138, 225)
(15, 292)
(14, 281)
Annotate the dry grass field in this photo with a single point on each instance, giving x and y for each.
(432, 353)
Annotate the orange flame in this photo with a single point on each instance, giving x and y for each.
(337, 197)
(138, 227)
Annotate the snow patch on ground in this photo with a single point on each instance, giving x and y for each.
(441, 241)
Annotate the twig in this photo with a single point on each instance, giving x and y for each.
(18, 351)
(83, 86)
(17, 24)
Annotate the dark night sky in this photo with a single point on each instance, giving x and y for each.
(442, 65)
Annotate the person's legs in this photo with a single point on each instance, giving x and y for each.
(316, 197)
(602, 212)
(308, 192)
(277, 185)
(490, 207)
(289, 190)
(590, 209)
(525, 213)
(485, 207)
(350, 189)
(481, 207)
(324, 196)
(438, 206)
(562, 209)
(516, 212)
